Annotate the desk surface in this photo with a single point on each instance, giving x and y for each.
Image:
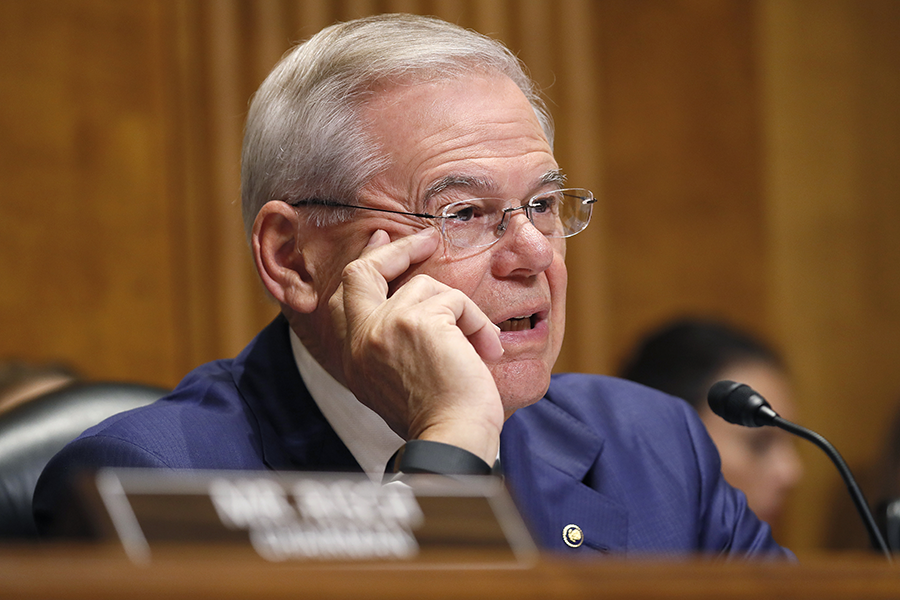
(94, 573)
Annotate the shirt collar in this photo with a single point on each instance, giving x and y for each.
(362, 430)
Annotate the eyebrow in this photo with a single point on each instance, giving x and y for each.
(457, 181)
(554, 176)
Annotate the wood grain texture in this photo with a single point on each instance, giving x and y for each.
(745, 154)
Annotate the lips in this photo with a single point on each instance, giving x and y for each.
(517, 323)
(524, 323)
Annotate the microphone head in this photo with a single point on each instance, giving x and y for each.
(738, 403)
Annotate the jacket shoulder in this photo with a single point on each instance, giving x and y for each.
(611, 405)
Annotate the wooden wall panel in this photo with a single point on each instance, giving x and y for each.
(745, 153)
(85, 227)
(681, 165)
(832, 129)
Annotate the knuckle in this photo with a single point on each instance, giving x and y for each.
(353, 269)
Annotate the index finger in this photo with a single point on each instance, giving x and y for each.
(383, 261)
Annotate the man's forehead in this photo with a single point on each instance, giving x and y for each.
(476, 135)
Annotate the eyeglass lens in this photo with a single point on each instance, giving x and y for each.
(482, 221)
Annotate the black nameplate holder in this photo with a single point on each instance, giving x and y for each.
(319, 518)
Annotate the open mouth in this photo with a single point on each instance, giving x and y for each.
(518, 323)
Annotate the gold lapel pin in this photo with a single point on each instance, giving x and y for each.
(572, 535)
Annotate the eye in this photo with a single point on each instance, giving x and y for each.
(463, 212)
(762, 443)
(544, 204)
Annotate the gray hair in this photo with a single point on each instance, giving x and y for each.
(304, 137)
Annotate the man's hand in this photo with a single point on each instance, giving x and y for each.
(418, 357)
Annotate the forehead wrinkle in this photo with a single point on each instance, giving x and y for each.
(485, 185)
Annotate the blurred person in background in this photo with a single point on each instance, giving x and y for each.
(684, 358)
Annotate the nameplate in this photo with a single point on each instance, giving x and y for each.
(323, 518)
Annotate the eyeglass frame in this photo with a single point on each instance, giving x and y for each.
(527, 207)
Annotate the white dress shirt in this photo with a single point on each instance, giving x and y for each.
(362, 430)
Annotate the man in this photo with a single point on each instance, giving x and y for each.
(405, 210)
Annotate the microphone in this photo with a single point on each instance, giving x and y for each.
(738, 403)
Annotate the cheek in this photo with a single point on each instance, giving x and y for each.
(328, 277)
(733, 450)
(558, 277)
(465, 273)
(334, 249)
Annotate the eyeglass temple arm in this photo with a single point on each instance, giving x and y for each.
(329, 203)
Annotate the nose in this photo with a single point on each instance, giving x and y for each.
(509, 213)
(523, 250)
(790, 467)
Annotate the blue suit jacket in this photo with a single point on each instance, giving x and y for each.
(632, 467)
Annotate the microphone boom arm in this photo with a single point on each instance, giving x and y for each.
(738, 403)
(858, 498)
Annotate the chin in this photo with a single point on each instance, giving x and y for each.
(521, 384)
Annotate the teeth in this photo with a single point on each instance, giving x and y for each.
(516, 324)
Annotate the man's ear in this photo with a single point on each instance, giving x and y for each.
(279, 259)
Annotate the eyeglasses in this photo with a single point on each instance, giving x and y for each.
(481, 222)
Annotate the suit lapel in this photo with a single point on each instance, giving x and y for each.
(294, 433)
(554, 467)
